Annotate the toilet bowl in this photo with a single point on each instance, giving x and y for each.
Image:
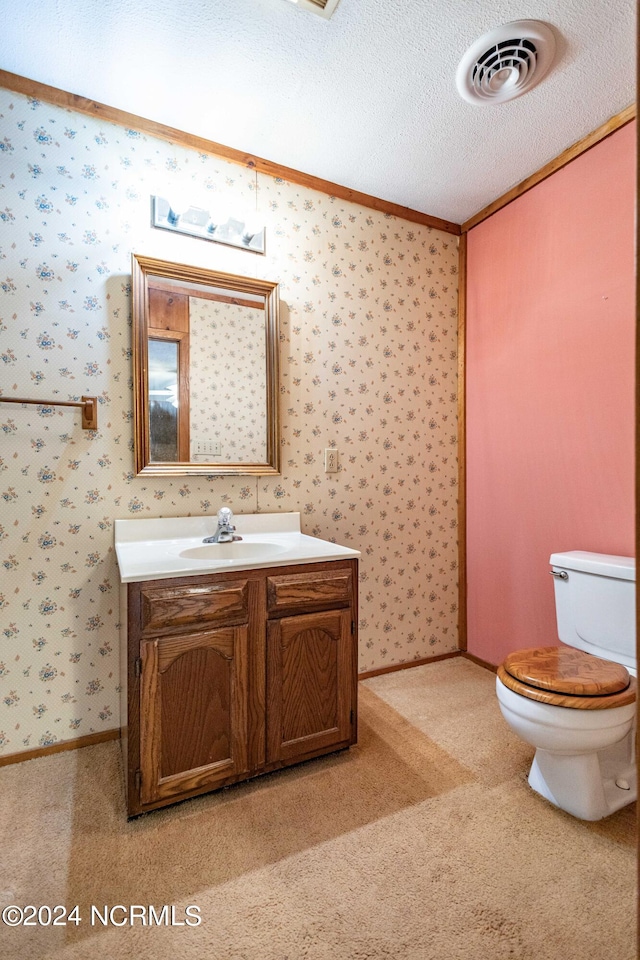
(575, 703)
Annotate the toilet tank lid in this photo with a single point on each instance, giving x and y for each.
(602, 564)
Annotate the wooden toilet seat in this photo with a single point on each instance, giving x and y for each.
(565, 677)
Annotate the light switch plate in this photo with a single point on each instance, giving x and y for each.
(203, 448)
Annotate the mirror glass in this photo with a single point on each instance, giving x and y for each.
(206, 371)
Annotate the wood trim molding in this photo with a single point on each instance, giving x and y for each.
(462, 443)
(479, 661)
(581, 146)
(87, 741)
(394, 667)
(72, 101)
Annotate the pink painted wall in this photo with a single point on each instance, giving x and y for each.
(550, 391)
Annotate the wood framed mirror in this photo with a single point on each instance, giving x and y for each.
(205, 362)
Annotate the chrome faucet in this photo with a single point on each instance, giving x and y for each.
(225, 529)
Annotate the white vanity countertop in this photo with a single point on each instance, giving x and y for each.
(162, 548)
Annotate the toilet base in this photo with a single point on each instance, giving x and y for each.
(589, 786)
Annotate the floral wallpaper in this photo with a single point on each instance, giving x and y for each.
(368, 357)
(227, 350)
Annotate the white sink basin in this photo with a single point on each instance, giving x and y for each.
(238, 550)
(155, 549)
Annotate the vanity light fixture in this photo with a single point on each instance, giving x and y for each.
(236, 231)
(324, 8)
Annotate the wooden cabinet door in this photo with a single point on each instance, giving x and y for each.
(193, 711)
(309, 683)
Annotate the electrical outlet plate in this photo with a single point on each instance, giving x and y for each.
(330, 460)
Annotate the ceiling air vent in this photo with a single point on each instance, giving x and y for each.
(323, 8)
(506, 62)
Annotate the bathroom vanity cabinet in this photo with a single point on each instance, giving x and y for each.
(231, 675)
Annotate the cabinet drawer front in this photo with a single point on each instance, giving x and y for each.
(332, 588)
(167, 608)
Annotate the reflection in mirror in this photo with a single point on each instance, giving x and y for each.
(163, 400)
(227, 359)
(205, 363)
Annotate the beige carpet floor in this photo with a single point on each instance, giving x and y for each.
(424, 842)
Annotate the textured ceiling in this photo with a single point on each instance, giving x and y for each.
(366, 99)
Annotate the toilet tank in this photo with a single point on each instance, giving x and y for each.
(595, 604)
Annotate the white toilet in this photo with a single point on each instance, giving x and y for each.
(576, 704)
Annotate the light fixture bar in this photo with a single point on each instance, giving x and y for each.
(324, 8)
